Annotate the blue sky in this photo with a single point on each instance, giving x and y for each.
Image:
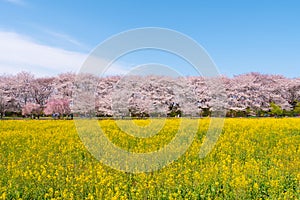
(50, 37)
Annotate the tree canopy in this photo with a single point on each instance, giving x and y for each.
(246, 94)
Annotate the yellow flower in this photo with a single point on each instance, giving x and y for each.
(255, 186)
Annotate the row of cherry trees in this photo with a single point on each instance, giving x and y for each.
(251, 94)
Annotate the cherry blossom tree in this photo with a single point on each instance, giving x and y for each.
(22, 87)
(64, 86)
(149, 95)
(84, 95)
(255, 92)
(32, 109)
(104, 92)
(58, 107)
(8, 101)
(153, 96)
(41, 90)
(3, 96)
(3, 102)
(293, 91)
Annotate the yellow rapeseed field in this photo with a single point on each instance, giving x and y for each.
(253, 159)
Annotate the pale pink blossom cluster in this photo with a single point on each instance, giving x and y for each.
(144, 95)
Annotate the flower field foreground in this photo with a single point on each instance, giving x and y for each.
(253, 158)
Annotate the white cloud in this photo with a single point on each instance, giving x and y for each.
(20, 53)
(17, 51)
(16, 2)
(66, 38)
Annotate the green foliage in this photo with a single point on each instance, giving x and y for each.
(276, 110)
(297, 109)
